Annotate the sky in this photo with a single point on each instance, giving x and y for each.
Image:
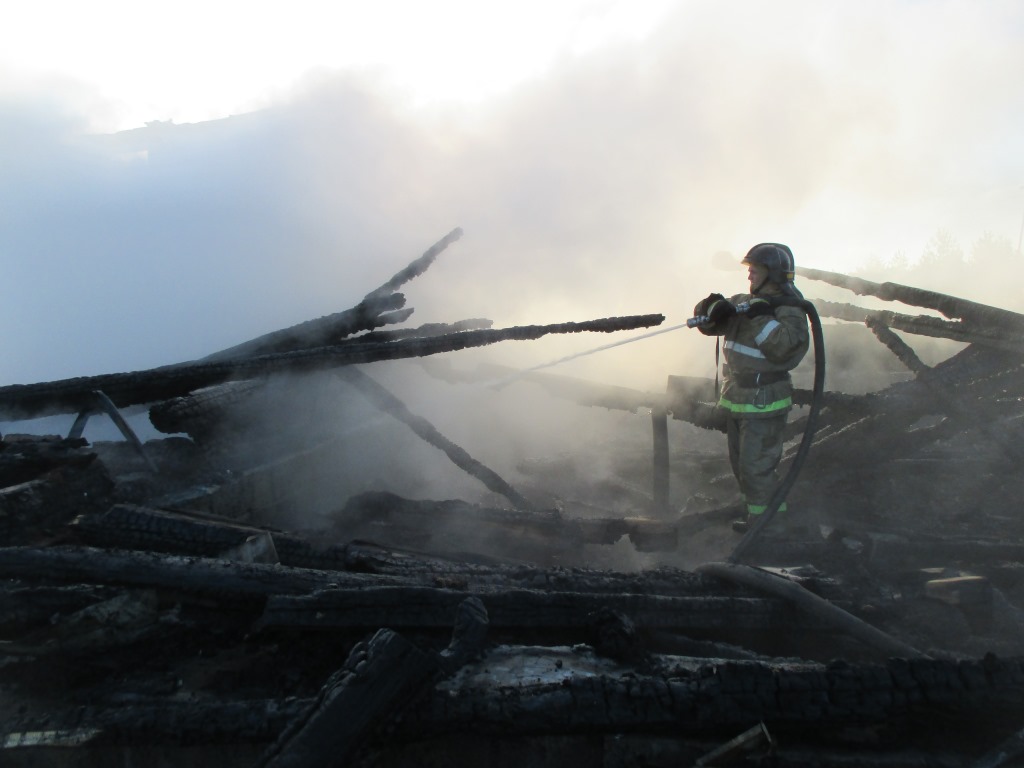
(177, 179)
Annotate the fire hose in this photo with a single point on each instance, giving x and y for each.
(784, 486)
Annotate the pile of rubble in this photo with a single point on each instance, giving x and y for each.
(160, 608)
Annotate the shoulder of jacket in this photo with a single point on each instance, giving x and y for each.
(789, 311)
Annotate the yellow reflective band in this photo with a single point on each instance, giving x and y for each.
(778, 405)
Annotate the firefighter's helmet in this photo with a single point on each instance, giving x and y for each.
(777, 259)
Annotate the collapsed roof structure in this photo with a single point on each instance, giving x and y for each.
(161, 605)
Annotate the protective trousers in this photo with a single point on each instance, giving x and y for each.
(755, 450)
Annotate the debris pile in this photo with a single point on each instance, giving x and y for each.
(160, 605)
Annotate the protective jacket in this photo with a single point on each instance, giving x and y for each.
(759, 353)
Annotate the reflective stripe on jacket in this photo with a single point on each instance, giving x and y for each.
(765, 344)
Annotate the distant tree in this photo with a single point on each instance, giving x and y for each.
(942, 251)
(992, 251)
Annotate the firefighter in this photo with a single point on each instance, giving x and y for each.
(762, 345)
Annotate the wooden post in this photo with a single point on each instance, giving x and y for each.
(659, 425)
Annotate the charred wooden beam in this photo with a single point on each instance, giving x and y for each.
(417, 267)
(157, 723)
(36, 511)
(324, 331)
(22, 401)
(24, 458)
(380, 679)
(423, 331)
(463, 573)
(660, 462)
(200, 413)
(949, 306)
(131, 526)
(374, 311)
(527, 609)
(923, 325)
(367, 386)
(903, 351)
(720, 695)
(104, 405)
(816, 711)
(26, 607)
(209, 576)
(101, 627)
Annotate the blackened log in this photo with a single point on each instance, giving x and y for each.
(379, 676)
(26, 607)
(163, 723)
(205, 576)
(324, 331)
(119, 620)
(923, 325)
(816, 711)
(104, 405)
(37, 511)
(949, 306)
(683, 699)
(374, 311)
(417, 267)
(468, 574)
(660, 461)
(131, 526)
(367, 386)
(380, 679)
(527, 609)
(22, 401)
(24, 458)
(422, 331)
(903, 351)
(812, 708)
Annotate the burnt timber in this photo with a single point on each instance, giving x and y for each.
(159, 608)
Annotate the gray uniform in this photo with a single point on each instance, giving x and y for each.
(757, 392)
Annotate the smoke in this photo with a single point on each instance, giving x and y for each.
(604, 186)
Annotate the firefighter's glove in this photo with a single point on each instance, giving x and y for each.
(721, 310)
(760, 307)
(704, 304)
